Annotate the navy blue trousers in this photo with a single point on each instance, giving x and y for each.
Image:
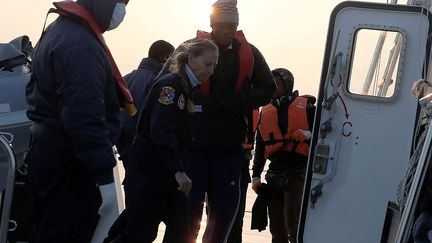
(151, 198)
(216, 173)
(66, 198)
(237, 229)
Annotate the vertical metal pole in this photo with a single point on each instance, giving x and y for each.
(394, 55)
(8, 192)
(374, 62)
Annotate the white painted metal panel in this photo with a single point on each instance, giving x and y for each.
(372, 144)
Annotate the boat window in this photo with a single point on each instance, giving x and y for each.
(376, 55)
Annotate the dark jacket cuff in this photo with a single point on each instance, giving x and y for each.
(177, 168)
(104, 177)
(256, 174)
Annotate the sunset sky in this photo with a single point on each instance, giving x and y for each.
(289, 33)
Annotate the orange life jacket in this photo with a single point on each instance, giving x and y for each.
(246, 61)
(273, 138)
(245, 73)
(71, 9)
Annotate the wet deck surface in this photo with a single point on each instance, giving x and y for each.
(249, 236)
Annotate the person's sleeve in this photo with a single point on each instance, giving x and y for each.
(163, 127)
(262, 83)
(311, 115)
(82, 83)
(259, 160)
(258, 90)
(310, 112)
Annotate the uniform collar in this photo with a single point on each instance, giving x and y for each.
(192, 78)
(150, 63)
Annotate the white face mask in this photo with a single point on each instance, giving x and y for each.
(117, 16)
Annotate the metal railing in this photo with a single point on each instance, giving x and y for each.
(8, 164)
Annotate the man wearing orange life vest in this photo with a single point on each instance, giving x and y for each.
(241, 82)
(283, 137)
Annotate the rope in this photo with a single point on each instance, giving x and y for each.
(405, 184)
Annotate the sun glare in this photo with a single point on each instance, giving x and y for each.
(203, 10)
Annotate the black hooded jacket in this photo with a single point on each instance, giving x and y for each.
(72, 99)
(101, 10)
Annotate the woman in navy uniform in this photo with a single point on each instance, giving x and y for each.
(156, 185)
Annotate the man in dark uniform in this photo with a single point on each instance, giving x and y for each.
(74, 99)
(139, 82)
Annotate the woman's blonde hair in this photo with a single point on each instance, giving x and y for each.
(195, 47)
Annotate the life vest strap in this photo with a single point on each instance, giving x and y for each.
(73, 10)
(274, 141)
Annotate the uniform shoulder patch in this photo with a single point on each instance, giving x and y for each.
(181, 102)
(167, 95)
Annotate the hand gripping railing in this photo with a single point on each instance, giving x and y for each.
(8, 164)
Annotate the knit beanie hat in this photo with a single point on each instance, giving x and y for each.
(224, 11)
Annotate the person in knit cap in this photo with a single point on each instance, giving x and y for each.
(241, 82)
(224, 11)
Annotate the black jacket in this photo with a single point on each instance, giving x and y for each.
(164, 128)
(72, 96)
(139, 82)
(222, 123)
(259, 208)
